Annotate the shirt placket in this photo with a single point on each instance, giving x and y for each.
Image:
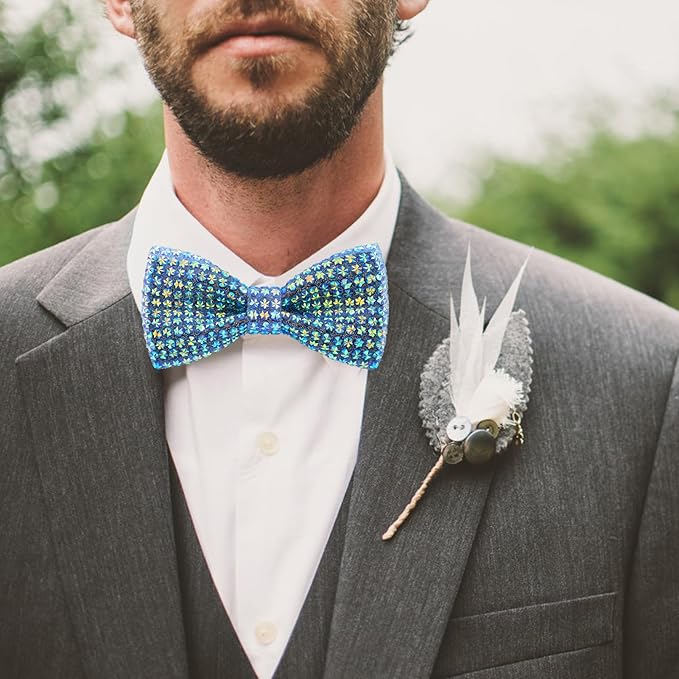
(259, 457)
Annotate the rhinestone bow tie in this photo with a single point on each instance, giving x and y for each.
(339, 307)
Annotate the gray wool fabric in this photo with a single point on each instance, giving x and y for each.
(558, 559)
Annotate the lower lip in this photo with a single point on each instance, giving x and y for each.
(244, 46)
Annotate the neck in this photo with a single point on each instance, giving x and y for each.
(275, 224)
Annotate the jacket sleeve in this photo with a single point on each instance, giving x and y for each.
(651, 637)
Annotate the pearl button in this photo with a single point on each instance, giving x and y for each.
(458, 429)
(267, 442)
(265, 632)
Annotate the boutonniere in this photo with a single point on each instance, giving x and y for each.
(474, 388)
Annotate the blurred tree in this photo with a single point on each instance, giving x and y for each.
(611, 205)
(54, 183)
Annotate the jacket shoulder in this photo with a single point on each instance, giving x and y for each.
(31, 273)
(24, 323)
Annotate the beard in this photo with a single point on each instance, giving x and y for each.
(284, 136)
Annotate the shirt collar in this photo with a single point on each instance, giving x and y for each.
(161, 219)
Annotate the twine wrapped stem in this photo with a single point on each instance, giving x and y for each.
(391, 531)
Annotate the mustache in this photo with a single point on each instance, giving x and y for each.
(205, 29)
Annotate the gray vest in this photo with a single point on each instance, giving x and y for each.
(212, 645)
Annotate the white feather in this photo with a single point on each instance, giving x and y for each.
(469, 313)
(497, 326)
(473, 365)
(494, 399)
(477, 390)
(454, 347)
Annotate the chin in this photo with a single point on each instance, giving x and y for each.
(284, 76)
(258, 92)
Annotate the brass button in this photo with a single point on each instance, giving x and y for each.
(479, 447)
(453, 453)
(490, 426)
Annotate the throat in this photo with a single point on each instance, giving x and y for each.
(274, 224)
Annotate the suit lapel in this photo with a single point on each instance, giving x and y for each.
(394, 598)
(96, 411)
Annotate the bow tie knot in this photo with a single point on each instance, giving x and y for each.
(264, 312)
(339, 307)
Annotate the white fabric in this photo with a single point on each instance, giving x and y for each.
(264, 434)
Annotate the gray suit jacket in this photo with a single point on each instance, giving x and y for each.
(557, 560)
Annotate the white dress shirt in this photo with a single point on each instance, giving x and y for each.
(264, 434)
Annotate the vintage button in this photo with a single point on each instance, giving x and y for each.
(453, 453)
(267, 443)
(490, 426)
(479, 447)
(265, 632)
(458, 429)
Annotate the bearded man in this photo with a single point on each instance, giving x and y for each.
(197, 471)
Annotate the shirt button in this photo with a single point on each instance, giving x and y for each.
(265, 632)
(267, 442)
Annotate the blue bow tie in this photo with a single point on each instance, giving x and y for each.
(191, 308)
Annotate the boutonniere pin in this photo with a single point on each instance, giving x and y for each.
(474, 388)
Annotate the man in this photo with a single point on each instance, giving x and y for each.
(222, 517)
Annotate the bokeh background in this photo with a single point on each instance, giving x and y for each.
(554, 122)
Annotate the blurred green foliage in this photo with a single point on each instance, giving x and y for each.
(95, 183)
(612, 204)
(44, 200)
